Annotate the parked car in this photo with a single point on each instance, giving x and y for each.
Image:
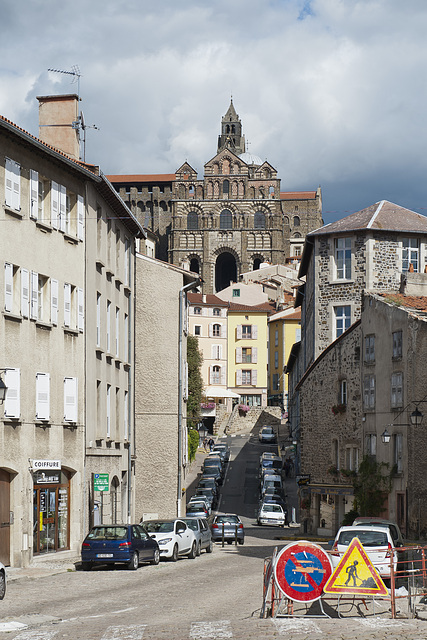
(223, 450)
(173, 537)
(129, 544)
(200, 499)
(3, 581)
(209, 494)
(227, 526)
(208, 482)
(213, 472)
(271, 464)
(267, 435)
(377, 542)
(202, 533)
(273, 482)
(213, 463)
(275, 497)
(394, 529)
(197, 510)
(271, 513)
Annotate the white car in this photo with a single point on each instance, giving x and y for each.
(376, 541)
(173, 537)
(271, 513)
(2, 581)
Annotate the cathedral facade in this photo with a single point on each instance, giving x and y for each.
(229, 221)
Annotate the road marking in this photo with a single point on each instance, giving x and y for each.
(12, 626)
(122, 632)
(35, 635)
(211, 630)
(285, 626)
(99, 615)
(383, 623)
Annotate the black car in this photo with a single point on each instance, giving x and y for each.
(208, 482)
(129, 544)
(212, 474)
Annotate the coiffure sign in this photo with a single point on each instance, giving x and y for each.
(46, 465)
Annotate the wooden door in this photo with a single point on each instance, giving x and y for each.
(4, 517)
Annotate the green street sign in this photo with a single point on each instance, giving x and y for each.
(101, 482)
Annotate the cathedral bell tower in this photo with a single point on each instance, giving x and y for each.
(231, 132)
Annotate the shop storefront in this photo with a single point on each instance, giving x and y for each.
(51, 509)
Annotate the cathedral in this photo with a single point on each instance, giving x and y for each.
(229, 221)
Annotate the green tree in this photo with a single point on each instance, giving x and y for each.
(193, 443)
(195, 382)
(371, 487)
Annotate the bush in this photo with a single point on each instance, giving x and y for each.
(193, 443)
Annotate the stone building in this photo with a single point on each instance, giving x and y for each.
(228, 222)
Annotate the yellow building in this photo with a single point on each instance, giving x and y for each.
(284, 329)
(248, 352)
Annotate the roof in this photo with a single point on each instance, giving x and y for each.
(265, 307)
(298, 195)
(381, 216)
(210, 300)
(414, 303)
(145, 177)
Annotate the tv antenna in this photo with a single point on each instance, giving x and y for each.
(78, 124)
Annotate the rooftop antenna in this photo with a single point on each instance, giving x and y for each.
(78, 124)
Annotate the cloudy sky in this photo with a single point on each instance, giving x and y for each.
(331, 92)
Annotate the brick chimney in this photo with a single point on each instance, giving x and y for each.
(56, 117)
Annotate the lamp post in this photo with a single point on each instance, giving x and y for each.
(416, 417)
(385, 436)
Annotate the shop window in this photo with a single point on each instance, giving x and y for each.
(51, 499)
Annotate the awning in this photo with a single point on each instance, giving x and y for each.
(218, 392)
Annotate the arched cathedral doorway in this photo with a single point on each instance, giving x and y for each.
(225, 271)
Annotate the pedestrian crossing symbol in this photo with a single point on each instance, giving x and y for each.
(355, 574)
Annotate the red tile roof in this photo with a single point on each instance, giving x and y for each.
(265, 307)
(418, 303)
(298, 195)
(211, 300)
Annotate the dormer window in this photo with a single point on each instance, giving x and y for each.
(197, 311)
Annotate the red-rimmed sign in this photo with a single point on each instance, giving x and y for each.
(301, 571)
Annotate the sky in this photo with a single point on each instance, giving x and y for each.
(332, 92)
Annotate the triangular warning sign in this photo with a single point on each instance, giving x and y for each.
(355, 574)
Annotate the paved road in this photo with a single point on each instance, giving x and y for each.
(213, 597)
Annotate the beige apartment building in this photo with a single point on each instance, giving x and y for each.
(66, 353)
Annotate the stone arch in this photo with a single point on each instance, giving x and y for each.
(194, 262)
(226, 219)
(259, 220)
(226, 166)
(199, 192)
(257, 259)
(192, 220)
(226, 267)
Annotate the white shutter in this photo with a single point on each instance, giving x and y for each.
(70, 399)
(62, 207)
(210, 374)
(239, 331)
(210, 330)
(54, 287)
(8, 286)
(12, 403)
(254, 355)
(185, 382)
(108, 410)
(238, 355)
(34, 295)
(67, 304)
(80, 218)
(42, 396)
(13, 184)
(213, 351)
(254, 331)
(54, 205)
(220, 352)
(223, 380)
(34, 194)
(25, 293)
(80, 310)
(238, 377)
(254, 377)
(223, 331)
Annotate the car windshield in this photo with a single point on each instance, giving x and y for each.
(273, 508)
(108, 533)
(267, 430)
(367, 538)
(227, 519)
(159, 526)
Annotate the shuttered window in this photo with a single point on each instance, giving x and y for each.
(13, 185)
(43, 396)
(12, 403)
(70, 400)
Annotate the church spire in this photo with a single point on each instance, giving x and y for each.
(231, 132)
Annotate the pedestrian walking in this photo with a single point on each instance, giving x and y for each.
(205, 444)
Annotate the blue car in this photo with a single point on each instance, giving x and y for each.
(129, 544)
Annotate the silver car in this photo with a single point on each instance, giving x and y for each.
(267, 435)
(202, 532)
(3, 580)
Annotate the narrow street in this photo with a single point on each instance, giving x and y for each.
(215, 596)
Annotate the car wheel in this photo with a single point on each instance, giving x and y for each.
(86, 566)
(209, 548)
(229, 541)
(241, 541)
(174, 556)
(156, 557)
(133, 563)
(199, 548)
(2, 585)
(193, 551)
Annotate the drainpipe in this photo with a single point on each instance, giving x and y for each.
(182, 297)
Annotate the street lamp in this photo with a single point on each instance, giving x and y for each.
(416, 417)
(385, 436)
(3, 390)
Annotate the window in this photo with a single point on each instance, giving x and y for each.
(192, 220)
(247, 331)
(126, 356)
(297, 221)
(397, 345)
(225, 220)
(342, 319)
(127, 262)
(108, 322)
(216, 330)
(43, 303)
(236, 293)
(410, 252)
(259, 220)
(13, 185)
(276, 338)
(197, 330)
(98, 319)
(126, 415)
(246, 376)
(276, 384)
(276, 359)
(38, 191)
(108, 411)
(216, 351)
(42, 396)
(70, 214)
(369, 391)
(343, 392)
(70, 400)
(197, 311)
(371, 444)
(351, 458)
(117, 350)
(225, 187)
(12, 403)
(398, 451)
(246, 355)
(216, 311)
(11, 291)
(396, 390)
(343, 258)
(370, 348)
(73, 307)
(216, 375)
